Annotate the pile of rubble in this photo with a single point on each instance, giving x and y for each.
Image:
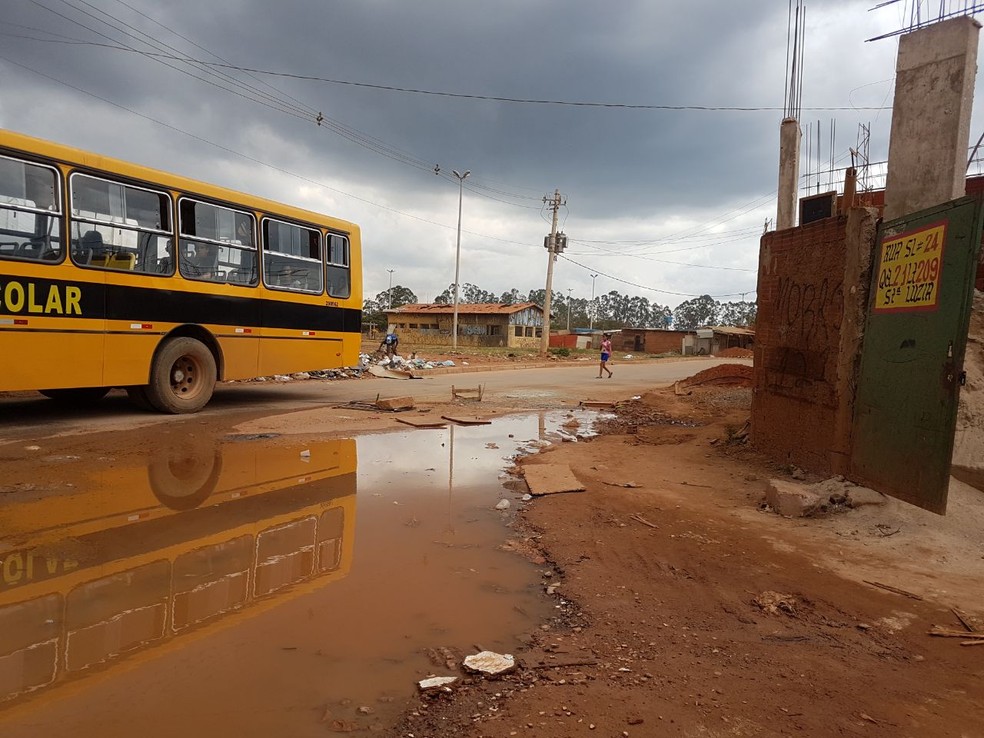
(356, 372)
(414, 362)
(331, 374)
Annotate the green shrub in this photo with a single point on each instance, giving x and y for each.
(560, 351)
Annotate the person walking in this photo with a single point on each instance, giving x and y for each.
(606, 354)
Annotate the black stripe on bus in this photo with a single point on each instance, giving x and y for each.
(158, 334)
(38, 297)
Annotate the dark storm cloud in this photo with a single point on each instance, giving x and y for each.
(627, 174)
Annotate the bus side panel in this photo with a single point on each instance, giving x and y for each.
(289, 351)
(51, 328)
(240, 353)
(52, 359)
(300, 334)
(129, 350)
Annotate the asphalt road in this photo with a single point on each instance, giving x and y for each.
(25, 417)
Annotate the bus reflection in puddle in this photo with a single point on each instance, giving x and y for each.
(164, 549)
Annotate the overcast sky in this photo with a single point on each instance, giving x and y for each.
(667, 204)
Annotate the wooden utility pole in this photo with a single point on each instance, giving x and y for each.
(554, 243)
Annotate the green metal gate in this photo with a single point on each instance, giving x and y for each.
(912, 358)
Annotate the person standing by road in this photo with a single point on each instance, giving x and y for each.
(606, 354)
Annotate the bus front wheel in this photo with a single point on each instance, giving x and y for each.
(182, 377)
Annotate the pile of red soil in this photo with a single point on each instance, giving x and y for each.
(733, 374)
(735, 353)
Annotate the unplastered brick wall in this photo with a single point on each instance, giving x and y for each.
(797, 347)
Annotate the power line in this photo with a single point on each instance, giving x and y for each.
(322, 185)
(646, 287)
(492, 98)
(253, 94)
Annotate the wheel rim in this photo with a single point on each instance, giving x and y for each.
(186, 377)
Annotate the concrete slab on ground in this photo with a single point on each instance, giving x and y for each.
(549, 479)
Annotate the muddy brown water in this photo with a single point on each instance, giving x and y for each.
(258, 586)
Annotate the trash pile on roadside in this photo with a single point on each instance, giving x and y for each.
(356, 372)
(414, 362)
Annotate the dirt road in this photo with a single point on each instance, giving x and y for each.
(681, 607)
(684, 609)
(28, 415)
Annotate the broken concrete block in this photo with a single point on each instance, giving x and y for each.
(432, 683)
(490, 663)
(395, 403)
(792, 500)
(860, 496)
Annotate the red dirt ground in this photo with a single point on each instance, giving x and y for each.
(683, 610)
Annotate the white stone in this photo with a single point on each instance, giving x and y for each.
(502, 505)
(489, 662)
(431, 683)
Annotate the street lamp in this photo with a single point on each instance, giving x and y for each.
(457, 261)
(569, 290)
(591, 317)
(389, 292)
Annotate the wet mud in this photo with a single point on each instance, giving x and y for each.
(255, 585)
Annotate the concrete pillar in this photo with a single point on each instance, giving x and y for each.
(860, 236)
(934, 93)
(789, 156)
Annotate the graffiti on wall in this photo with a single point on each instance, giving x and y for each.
(806, 319)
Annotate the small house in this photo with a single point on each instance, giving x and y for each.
(519, 325)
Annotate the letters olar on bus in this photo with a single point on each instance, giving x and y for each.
(39, 299)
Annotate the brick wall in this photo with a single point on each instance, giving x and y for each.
(650, 341)
(801, 291)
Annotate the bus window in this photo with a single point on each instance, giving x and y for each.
(30, 226)
(292, 257)
(117, 226)
(337, 274)
(217, 243)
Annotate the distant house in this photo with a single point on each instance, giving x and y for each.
(714, 339)
(479, 324)
(650, 340)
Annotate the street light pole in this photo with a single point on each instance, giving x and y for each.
(457, 261)
(389, 292)
(592, 311)
(569, 290)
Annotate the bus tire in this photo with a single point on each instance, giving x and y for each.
(182, 377)
(76, 395)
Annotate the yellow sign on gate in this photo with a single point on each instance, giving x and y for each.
(909, 269)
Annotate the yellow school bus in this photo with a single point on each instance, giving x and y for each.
(157, 558)
(117, 275)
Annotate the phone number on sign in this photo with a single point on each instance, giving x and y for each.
(909, 272)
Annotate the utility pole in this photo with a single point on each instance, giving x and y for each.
(569, 290)
(457, 262)
(554, 243)
(592, 309)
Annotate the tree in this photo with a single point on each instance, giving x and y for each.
(374, 311)
(512, 297)
(396, 297)
(661, 316)
(467, 293)
(741, 314)
(692, 314)
(373, 315)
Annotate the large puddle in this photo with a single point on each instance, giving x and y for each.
(256, 586)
